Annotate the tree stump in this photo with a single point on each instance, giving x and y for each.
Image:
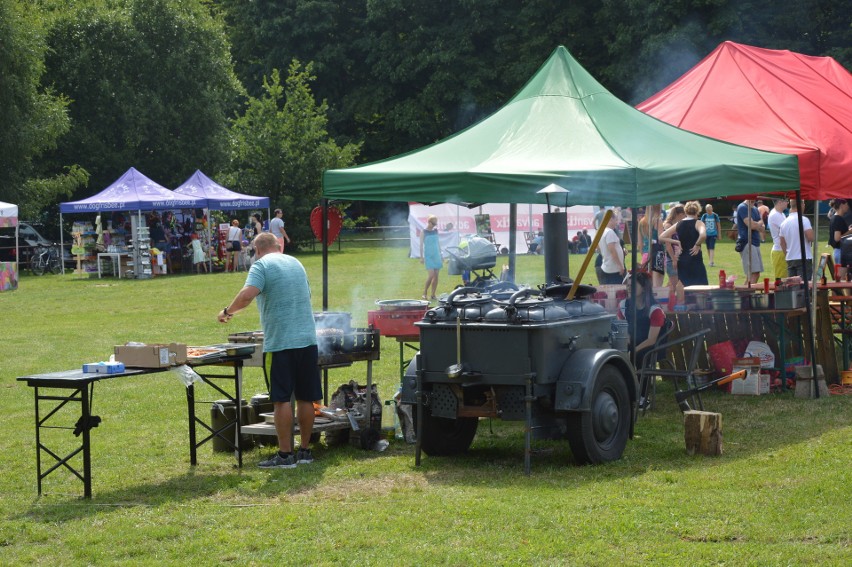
(702, 432)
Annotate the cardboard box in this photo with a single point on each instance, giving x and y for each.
(755, 383)
(151, 356)
(103, 367)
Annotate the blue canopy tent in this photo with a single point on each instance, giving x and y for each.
(218, 197)
(130, 192)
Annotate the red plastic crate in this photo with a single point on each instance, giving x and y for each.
(399, 323)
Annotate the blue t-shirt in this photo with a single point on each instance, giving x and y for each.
(742, 229)
(711, 223)
(284, 302)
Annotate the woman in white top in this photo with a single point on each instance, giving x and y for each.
(612, 267)
(235, 239)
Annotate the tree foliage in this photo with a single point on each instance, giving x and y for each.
(400, 74)
(151, 85)
(280, 146)
(33, 118)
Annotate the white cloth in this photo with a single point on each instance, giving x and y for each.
(234, 233)
(775, 220)
(610, 263)
(790, 232)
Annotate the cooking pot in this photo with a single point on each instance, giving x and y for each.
(402, 304)
(760, 301)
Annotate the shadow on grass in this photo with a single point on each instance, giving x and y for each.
(235, 487)
(752, 425)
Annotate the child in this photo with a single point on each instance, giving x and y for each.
(197, 254)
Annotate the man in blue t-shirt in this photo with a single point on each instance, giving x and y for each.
(280, 284)
(749, 217)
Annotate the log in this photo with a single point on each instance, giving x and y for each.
(702, 431)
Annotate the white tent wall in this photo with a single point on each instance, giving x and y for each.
(456, 221)
(9, 270)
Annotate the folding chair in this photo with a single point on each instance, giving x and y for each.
(649, 369)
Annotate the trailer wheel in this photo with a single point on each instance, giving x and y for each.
(600, 435)
(443, 436)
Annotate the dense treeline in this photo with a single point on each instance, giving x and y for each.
(91, 87)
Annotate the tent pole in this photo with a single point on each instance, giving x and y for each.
(324, 234)
(61, 245)
(803, 256)
(634, 238)
(209, 240)
(513, 246)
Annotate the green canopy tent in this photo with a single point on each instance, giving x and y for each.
(564, 127)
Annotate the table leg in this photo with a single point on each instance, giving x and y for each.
(401, 362)
(844, 335)
(782, 348)
(190, 400)
(38, 440)
(87, 453)
(238, 380)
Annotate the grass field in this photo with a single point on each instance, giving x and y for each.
(780, 494)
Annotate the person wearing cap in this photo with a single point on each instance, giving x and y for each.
(775, 220)
(838, 228)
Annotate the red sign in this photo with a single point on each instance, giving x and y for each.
(335, 223)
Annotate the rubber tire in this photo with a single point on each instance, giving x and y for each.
(55, 265)
(607, 444)
(37, 266)
(443, 436)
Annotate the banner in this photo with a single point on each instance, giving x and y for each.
(455, 222)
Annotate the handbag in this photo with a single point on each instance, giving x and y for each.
(740, 245)
(658, 258)
(229, 245)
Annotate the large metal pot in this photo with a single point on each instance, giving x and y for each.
(402, 304)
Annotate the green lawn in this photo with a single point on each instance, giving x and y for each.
(779, 495)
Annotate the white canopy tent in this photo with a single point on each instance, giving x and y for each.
(9, 270)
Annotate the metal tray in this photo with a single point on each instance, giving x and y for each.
(237, 349)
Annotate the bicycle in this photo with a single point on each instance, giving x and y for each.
(46, 258)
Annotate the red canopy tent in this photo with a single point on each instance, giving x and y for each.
(771, 100)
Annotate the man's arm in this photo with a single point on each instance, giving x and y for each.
(242, 300)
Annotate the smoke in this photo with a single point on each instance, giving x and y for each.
(670, 59)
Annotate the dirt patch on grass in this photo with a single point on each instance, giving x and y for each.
(362, 488)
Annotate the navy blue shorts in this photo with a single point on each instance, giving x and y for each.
(711, 242)
(294, 370)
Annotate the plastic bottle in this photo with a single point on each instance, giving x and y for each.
(722, 279)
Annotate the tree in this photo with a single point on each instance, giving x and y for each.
(33, 118)
(151, 85)
(280, 148)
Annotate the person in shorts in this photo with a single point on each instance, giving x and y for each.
(280, 284)
(713, 224)
(748, 217)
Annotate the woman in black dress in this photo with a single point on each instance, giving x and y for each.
(691, 233)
